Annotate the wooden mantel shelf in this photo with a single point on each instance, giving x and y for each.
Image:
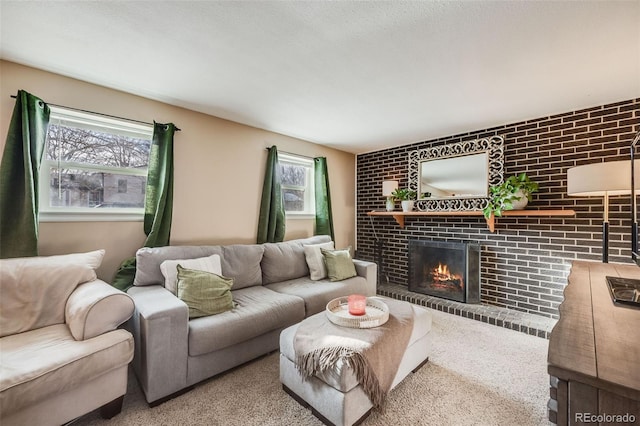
(400, 216)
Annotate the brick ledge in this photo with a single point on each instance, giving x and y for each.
(535, 325)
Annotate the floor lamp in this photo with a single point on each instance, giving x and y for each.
(603, 180)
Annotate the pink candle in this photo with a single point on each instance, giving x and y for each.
(357, 304)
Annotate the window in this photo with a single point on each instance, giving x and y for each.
(94, 167)
(122, 186)
(297, 185)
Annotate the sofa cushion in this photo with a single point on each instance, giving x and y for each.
(315, 260)
(46, 361)
(205, 293)
(240, 262)
(258, 310)
(35, 291)
(149, 259)
(170, 272)
(286, 260)
(317, 294)
(283, 261)
(92, 259)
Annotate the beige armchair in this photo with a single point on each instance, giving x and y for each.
(61, 354)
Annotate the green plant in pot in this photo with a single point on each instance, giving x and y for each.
(406, 197)
(512, 194)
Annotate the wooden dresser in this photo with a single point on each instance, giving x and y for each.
(594, 351)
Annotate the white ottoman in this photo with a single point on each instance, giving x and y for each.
(336, 397)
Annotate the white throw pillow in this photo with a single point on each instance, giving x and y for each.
(315, 260)
(169, 269)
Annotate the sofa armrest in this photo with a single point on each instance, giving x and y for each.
(160, 327)
(94, 308)
(368, 270)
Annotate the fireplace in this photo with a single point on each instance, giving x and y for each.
(444, 269)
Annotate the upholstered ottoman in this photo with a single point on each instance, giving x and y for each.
(335, 396)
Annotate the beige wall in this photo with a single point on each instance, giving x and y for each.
(219, 168)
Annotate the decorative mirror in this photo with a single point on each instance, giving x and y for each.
(456, 177)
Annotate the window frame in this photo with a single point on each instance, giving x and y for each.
(309, 189)
(104, 124)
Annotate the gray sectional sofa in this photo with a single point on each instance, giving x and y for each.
(272, 290)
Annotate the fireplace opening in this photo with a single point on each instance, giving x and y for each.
(445, 269)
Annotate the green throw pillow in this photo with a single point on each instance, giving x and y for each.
(204, 293)
(339, 264)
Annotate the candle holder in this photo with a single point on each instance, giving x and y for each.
(357, 304)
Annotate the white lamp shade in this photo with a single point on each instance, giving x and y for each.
(599, 179)
(388, 186)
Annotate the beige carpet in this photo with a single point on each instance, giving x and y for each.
(478, 374)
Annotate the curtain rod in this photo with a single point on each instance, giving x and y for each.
(102, 114)
(291, 153)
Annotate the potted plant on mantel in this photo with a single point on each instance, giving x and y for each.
(406, 197)
(512, 194)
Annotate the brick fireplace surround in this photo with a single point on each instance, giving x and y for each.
(524, 264)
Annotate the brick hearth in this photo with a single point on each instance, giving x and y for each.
(535, 325)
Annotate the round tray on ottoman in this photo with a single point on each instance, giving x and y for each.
(377, 313)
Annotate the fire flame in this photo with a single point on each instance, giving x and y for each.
(443, 276)
(442, 270)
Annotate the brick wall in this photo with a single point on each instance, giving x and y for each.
(526, 261)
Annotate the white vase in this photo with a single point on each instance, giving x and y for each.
(391, 205)
(407, 205)
(522, 202)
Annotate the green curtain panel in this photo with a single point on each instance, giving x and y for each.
(158, 203)
(324, 217)
(271, 223)
(19, 177)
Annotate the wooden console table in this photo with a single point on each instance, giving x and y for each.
(594, 350)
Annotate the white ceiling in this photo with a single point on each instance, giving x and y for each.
(357, 76)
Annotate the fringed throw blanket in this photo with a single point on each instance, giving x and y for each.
(373, 354)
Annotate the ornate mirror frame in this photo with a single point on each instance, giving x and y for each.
(494, 146)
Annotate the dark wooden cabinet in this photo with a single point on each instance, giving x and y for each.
(594, 351)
